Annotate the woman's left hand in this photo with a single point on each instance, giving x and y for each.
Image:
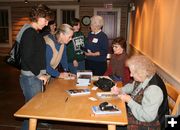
(125, 97)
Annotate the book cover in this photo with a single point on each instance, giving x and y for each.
(76, 92)
(106, 95)
(98, 111)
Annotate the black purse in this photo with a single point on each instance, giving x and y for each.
(104, 84)
(14, 58)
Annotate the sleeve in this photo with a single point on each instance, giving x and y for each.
(49, 69)
(128, 88)
(70, 51)
(147, 111)
(29, 42)
(64, 62)
(108, 71)
(103, 46)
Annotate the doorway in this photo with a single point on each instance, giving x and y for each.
(112, 22)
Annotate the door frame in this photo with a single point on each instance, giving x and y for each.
(118, 10)
(66, 7)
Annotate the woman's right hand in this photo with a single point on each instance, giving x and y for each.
(64, 75)
(115, 90)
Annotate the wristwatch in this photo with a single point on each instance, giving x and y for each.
(86, 20)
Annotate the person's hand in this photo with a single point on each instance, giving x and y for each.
(125, 97)
(44, 78)
(75, 63)
(92, 53)
(72, 76)
(115, 90)
(66, 75)
(88, 53)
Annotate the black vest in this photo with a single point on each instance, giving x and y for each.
(164, 108)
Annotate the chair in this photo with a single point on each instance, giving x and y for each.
(173, 99)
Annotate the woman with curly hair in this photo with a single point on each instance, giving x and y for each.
(146, 97)
(33, 54)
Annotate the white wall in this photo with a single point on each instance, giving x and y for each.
(155, 31)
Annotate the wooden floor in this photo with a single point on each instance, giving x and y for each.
(11, 99)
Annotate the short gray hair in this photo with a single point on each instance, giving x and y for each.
(97, 21)
(64, 28)
(142, 65)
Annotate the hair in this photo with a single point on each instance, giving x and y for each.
(64, 28)
(120, 41)
(40, 11)
(74, 22)
(98, 21)
(51, 22)
(142, 65)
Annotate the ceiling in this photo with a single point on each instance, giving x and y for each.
(83, 1)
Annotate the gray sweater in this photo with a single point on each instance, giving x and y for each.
(152, 99)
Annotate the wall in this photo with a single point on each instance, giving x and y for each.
(20, 12)
(154, 31)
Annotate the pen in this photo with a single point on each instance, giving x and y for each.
(66, 99)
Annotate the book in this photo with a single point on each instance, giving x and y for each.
(106, 95)
(113, 110)
(76, 92)
(84, 78)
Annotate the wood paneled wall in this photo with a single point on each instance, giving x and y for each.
(20, 12)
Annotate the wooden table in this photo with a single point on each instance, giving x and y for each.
(52, 105)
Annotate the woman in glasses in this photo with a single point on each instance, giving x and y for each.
(117, 69)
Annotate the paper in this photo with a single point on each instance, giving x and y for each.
(93, 99)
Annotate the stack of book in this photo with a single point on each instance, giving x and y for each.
(84, 78)
(76, 92)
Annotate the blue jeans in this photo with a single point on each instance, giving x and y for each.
(30, 86)
(72, 69)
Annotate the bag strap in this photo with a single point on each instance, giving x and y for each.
(20, 33)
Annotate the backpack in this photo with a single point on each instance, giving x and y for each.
(14, 58)
(104, 84)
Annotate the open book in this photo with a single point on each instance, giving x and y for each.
(111, 110)
(76, 92)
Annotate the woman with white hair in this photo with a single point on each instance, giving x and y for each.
(146, 97)
(97, 47)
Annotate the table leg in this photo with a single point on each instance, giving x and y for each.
(32, 124)
(111, 127)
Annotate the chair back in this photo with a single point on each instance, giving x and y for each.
(173, 98)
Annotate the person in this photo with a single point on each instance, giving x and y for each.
(33, 61)
(76, 57)
(146, 96)
(117, 69)
(56, 51)
(96, 47)
(50, 29)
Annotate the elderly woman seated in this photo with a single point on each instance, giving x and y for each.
(146, 96)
